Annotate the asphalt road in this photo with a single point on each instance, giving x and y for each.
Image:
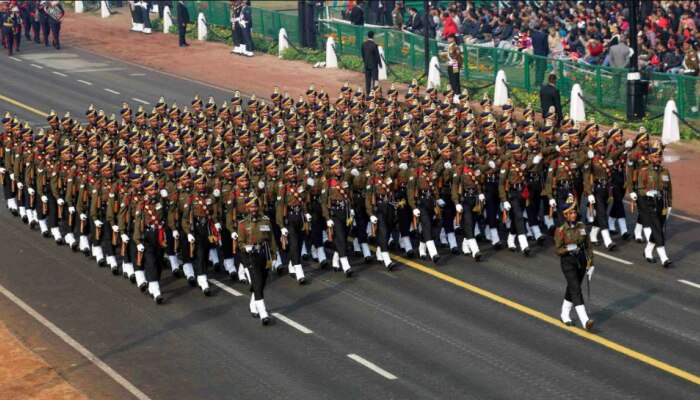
(437, 339)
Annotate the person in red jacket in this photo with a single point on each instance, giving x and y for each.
(450, 28)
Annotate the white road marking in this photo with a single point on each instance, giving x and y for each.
(301, 328)
(111, 91)
(75, 345)
(226, 288)
(59, 74)
(15, 58)
(140, 101)
(685, 218)
(689, 283)
(85, 82)
(372, 366)
(37, 66)
(596, 252)
(137, 74)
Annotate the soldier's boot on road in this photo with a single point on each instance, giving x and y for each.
(474, 248)
(174, 265)
(154, 290)
(99, 256)
(43, 228)
(586, 323)
(594, 235)
(188, 270)
(304, 253)
(242, 277)
(366, 253)
(262, 311)
(649, 252)
(141, 281)
(128, 269)
(230, 267)
(638, 233)
(466, 250)
(70, 241)
(538, 235)
(112, 262)
(57, 236)
(33, 220)
(253, 307)
(84, 245)
(336, 261)
(452, 242)
(214, 258)
(661, 250)
(407, 246)
(607, 241)
(388, 262)
(346, 266)
(356, 247)
(12, 205)
(299, 272)
(421, 251)
(321, 255)
(204, 284)
(566, 312)
(432, 251)
(495, 240)
(524, 246)
(622, 223)
(23, 214)
(511, 242)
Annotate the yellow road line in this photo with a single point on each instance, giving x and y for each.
(24, 106)
(553, 321)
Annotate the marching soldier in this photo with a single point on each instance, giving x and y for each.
(255, 245)
(357, 179)
(150, 225)
(335, 203)
(381, 205)
(636, 160)
(618, 150)
(574, 248)
(422, 198)
(468, 198)
(293, 217)
(514, 193)
(655, 197)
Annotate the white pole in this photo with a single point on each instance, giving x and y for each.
(382, 68)
(331, 57)
(577, 110)
(434, 73)
(671, 131)
(79, 8)
(283, 43)
(167, 19)
(105, 9)
(201, 27)
(501, 93)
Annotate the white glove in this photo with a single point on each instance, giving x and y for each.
(310, 181)
(459, 208)
(441, 203)
(373, 219)
(482, 198)
(352, 213)
(629, 144)
(163, 193)
(2, 170)
(354, 172)
(448, 165)
(98, 224)
(140, 248)
(217, 226)
(234, 235)
(668, 211)
(536, 159)
(115, 228)
(590, 272)
(329, 223)
(416, 212)
(651, 193)
(591, 199)
(190, 238)
(571, 247)
(308, 217)
(284, 232)
(506, 206)
(243, 23)
(403, 166)
(83, 217)
(552, 203)
(60, 201)
(492, 164)
(590, 154)
(44, 199)
(557, 149)
(12, 176)
(217, 192)
(125, 238)
(71, 210)
(261, 185)
(176, 234)
(30, 191)
(633, 196)
(20, 185)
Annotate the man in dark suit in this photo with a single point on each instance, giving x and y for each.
(415, 22)
(372, 60)
(550, 96)
(540, 47)
(183, 18)
(357, 16)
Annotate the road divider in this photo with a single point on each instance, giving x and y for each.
(373, 367)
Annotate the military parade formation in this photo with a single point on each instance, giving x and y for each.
(256, 187)
(37, 20)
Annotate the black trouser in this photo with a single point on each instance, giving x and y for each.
(574, 269)
(28, 23)
(181, 30)
(36, 26)
(170, 248)
(386, 220)
(9, 39)
(618, 194)
(44, 21)
(403, 214)
(248, 39)
(237, 35)
(454, 80)
(201, 232)
(271, 213)
(106, 236)
(540, 66)
(361, 217)
(426, 205)
(339, 215)
(153, 255)
(448, 212)
(651, 212)
(318, 224)
(256, 262)
(371, 76)
(295, 238)
(601, 192)
(517, 207)
(534, 202)
(468, 220)
(55, 32)
(492, 200)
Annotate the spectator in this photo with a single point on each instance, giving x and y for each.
(619, 58)
(594, 49)
(372, 61)
(450, 28)
(540, 47)
(357, 16)
(550, 96)
(415, 22)
(397, 17)
(556, 44)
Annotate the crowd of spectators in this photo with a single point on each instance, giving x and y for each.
(593, 32)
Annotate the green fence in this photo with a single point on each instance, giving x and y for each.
(603, 87)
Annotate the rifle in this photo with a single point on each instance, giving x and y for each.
(139, 257)
(330, 234)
